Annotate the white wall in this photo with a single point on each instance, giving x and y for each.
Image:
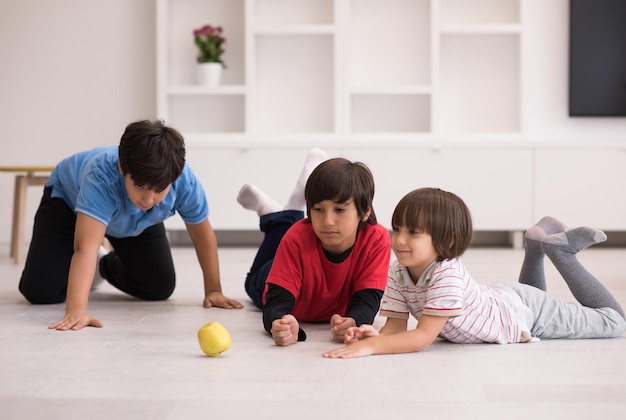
(73, 73)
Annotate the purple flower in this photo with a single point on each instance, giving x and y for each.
(210, 43)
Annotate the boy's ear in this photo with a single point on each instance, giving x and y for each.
(366, 215)
(119, 167)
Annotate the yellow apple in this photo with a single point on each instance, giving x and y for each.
(214, 339)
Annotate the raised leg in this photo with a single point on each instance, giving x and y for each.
(562, 248)
(532, 271)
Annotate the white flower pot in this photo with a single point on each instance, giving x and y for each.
(209, 74)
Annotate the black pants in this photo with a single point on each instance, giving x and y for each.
(274, 225)
(141, 266)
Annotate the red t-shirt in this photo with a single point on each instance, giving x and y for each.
(323, 288)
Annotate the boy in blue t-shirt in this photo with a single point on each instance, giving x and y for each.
(124, 194)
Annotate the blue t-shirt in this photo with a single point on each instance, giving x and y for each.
(90, 183)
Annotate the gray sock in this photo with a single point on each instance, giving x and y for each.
(532, 271)
(562, 248)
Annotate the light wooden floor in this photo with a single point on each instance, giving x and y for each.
(146, 364)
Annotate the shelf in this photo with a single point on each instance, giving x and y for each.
(205, 90)
(388, 140)
(345, 70)
(480, 29)
(479, 11)
(392, 90)
(295, 30)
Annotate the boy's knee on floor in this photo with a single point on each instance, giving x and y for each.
(159, 295)
(41, 298)
(162, 290)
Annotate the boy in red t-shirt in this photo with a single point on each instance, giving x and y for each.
(332, 265)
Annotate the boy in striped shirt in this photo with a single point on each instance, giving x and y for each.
(431, 230)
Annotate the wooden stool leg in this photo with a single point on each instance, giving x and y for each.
(19, 208)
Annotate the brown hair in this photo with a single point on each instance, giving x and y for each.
(152, 153)
(340, 180)
(441, 214)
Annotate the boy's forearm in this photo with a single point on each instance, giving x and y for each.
(394, 326)
(403, 342)
(79, 283)
(205, 244)
(279, 302)
(212, 281)
(209, 263)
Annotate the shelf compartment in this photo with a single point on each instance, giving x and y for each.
(183, 16)
(479, 85)
(389, 48)
(295, 84)
(390, 113)
(207, 113)
(278, 13)
(479, 11)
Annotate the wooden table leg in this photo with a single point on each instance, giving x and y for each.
(22, 182)
(19, 207)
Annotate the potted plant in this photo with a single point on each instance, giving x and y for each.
(210, 42)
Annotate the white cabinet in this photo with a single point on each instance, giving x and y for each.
(344, 71)
(495, 183)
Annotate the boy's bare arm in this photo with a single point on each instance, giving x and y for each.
(428, 328)
(394, 325)
(205, 244)
(87, 240)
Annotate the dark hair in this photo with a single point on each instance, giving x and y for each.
(152, 153)
(340, 180)
(441, 214)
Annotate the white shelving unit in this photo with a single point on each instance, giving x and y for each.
(426, 92)
(335, 70)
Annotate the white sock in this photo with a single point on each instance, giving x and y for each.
(252, 198)
(313, 159)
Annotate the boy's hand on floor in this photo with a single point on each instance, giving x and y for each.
(359, 333)
(219, 300)
(352, 350)
(285, 330)
(339, 326)
(75, 320)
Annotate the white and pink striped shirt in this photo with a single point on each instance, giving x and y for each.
(478, 313)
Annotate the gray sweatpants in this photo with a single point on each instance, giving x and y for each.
(553, 318)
